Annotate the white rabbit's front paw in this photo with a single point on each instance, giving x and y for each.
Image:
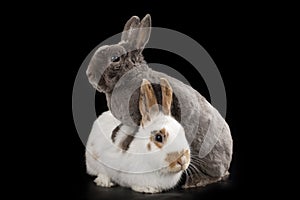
(145, 189)
(103, 181)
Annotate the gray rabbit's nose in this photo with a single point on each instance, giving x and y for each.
(91, 78)
(90, 75)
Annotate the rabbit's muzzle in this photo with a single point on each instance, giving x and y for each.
(178, 161)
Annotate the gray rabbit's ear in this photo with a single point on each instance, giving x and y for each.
(130, 26)
(143, 33)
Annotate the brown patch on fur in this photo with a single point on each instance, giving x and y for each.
(126, 142)
(163, 132)
(187, 155)
(167, 94)
(158, 144)
(178, 157)
(114, 133)
(147, 101)
(149, 146)
(173, 156)
(149, 92)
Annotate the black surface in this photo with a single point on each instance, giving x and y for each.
(51, 41)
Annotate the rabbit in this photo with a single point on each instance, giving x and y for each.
(117, 69)
(149, 158)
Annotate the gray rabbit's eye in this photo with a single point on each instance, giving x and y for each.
(115, 58)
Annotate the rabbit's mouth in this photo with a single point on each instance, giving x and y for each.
(175, 168)
(181, 161)
(97, 87)
(101, 88)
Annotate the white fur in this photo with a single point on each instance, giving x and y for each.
(103, 180)
(138, 168)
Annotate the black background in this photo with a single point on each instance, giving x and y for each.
(49, 43)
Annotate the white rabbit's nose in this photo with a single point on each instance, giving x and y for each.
(181, 161)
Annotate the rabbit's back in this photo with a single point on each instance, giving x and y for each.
(201, 121)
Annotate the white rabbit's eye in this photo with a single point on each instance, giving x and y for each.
(115, 58)
(159, 138)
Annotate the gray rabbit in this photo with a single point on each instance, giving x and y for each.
(118, 71)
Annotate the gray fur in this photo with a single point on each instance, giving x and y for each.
(195, 113)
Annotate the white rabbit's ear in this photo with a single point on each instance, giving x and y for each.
(147, 102)
(167, 95)
(143, 33)
(131, 25)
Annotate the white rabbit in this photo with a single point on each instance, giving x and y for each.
(149, 158)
